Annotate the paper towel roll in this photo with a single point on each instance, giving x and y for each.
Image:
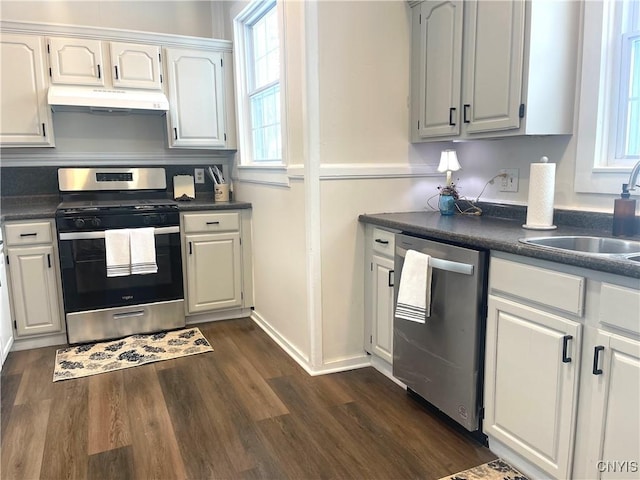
(542, 181)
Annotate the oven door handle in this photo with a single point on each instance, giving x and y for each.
(100, 234)
(137, 313)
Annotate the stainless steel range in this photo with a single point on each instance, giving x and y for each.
(95, 203)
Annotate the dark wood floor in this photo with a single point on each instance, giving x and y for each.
(244, 411)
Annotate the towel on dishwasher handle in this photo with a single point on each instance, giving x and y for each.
(117, 252)
(414, 293)
(143, 250)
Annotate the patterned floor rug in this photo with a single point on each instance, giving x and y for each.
(495, 470)
(93, 358)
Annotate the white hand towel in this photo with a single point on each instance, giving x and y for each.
(414, 294)
(117, 252)
(143, 251)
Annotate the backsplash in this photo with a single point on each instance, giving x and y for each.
(20, 181)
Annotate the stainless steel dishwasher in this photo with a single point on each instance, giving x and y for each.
(441, 360)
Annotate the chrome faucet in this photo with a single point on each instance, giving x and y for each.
(633, 178)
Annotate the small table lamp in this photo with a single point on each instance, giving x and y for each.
(447, 201)
(449, 163)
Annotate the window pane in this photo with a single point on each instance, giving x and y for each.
(265, 124)
(634, 81)
(266, 56)
(633, 129)
(632, 147)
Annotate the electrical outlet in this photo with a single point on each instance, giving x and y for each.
(199, 174)
(509, 183)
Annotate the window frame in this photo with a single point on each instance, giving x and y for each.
(597, 169)
(243, 52)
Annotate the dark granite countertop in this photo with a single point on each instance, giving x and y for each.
(28, 207)
(209, 204)
(44, 206)
(501, 234)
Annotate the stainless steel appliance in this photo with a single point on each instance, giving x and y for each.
(441, 359)
(97, 306)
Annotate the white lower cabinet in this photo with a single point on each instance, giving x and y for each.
(217, 260)
(614, 385)
(562, 370)
(379, 281)
(34, 278)
(213, 272)
(382, 312)
(532, 360)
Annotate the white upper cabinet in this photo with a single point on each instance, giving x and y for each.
(197, 99)
(494, 52)
(437, 63)
(135, 66)
(516, 74)
(25, 117)
(80, 61)
(76, 61)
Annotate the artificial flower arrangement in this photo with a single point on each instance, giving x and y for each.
(450, 190)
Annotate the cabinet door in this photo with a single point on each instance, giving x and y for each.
(25, 117)
(382, 312)
(135, 66)
(615, 415)
(494, 52)
(6, 329)
(532, 360)
(76, 61)
(34, 289)
(214, 278)
(196, 96)
(437, 65)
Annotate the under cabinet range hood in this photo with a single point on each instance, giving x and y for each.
(103, 100)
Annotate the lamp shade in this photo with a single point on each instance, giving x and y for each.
(448, 161)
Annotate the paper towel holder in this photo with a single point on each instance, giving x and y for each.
(534, 198)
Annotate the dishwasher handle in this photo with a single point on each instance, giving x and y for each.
(440, 264)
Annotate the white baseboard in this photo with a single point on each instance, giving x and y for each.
(292, 351)
(6, 349)
(386, 369)
(344, 364)
(217, 316)
(515, 460)
(39, 342)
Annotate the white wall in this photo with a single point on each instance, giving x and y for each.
(279, 264)
(179, 17)
(364, 81)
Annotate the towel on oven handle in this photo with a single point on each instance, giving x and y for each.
(117, 252)
(414, 293)
(143, 250)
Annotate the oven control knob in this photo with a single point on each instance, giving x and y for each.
(146, 220)
(95, 221)
(79, 222)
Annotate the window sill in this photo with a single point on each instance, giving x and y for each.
(263, 174)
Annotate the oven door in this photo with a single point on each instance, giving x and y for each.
(85, 284)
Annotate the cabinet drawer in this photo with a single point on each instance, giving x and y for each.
(211, 222)
(28, 233)
(619, 307)
(383, 241)
(538, 285)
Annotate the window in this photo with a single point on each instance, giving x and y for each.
(627, 124)
(609, 111)
(257, 38)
